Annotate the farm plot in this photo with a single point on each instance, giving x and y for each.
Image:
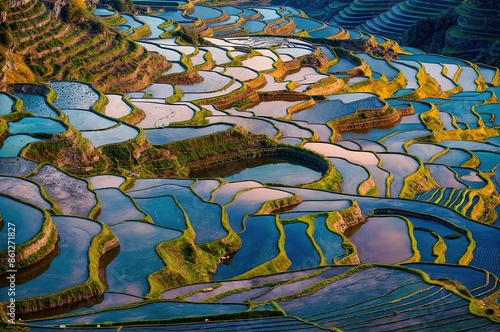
(24, 190)
(426, 241)
(117, 207)
(13, 145)
(332, 150)
(343, 65)
(16, 166)
(273, 109)
(471, 145)
(410, 72)
(267, 170)
(436, 71)
(462, 112)
(299, 248)
(381, 66)
(241, 73)
(106, 181)
(383, 240)
(150, 311)
(212, 81)
(259, 63)
(445, 176)
(153, 23)
(220, 55)
(469, 277)
(352, 174)
(401, 166)
(161, 115)
(396, 142)
(205, 218)
(116, 108)
(71, 194)
(116, 134)
(326, 111)
(454, 157)
(249, 202)
(489, 113)
(470, 177)
(328, 241)
(273, 85)
(289, 129)
(327, 32)
(160, 90)
(88, 120)
(74, 95)
(317, 206)
(227, 192)
(35, 104)
(171, 54)
(6, 103)
(318, 304)
(368, 145)
(164, 210)
(28, 220)
(233, 86)
(455, 243)
(71, 266)
(166, 135)
(362, 158)
(254, 251)
(128, 272)
(425, 151)
(35, 125)
(253, 125)
(205, 188)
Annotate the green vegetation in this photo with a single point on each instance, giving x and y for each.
(94, 286)
(33, 251)
(188, 262)
(429, 34)
(38, 46)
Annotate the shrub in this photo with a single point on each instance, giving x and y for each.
(6, 37)
(74, 11)
(94, 25)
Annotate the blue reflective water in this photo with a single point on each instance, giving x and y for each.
(33, 125)
(6, 103)
(71, 266)
(253, 252)
(329, 242)
(164, 211)
(13, 145)
(128, 272)
(27, 221)
(37, 105)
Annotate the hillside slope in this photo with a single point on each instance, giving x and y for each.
(66, 42)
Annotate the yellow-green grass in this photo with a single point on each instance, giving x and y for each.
(188, 262)
(34, 250)
(279, 263)
(92, 287)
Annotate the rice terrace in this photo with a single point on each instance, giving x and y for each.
(237, 165)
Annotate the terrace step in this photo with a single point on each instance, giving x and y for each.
(477, 29)
(406, 13)
(359, 11)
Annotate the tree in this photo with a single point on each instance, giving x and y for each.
(74, 11)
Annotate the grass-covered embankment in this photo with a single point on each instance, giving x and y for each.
(34, 250)
(188, 262)
(94, 286)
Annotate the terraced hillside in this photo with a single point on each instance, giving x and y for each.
(399, 18)
(476, 30)
(85, 50)
(282, 173)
